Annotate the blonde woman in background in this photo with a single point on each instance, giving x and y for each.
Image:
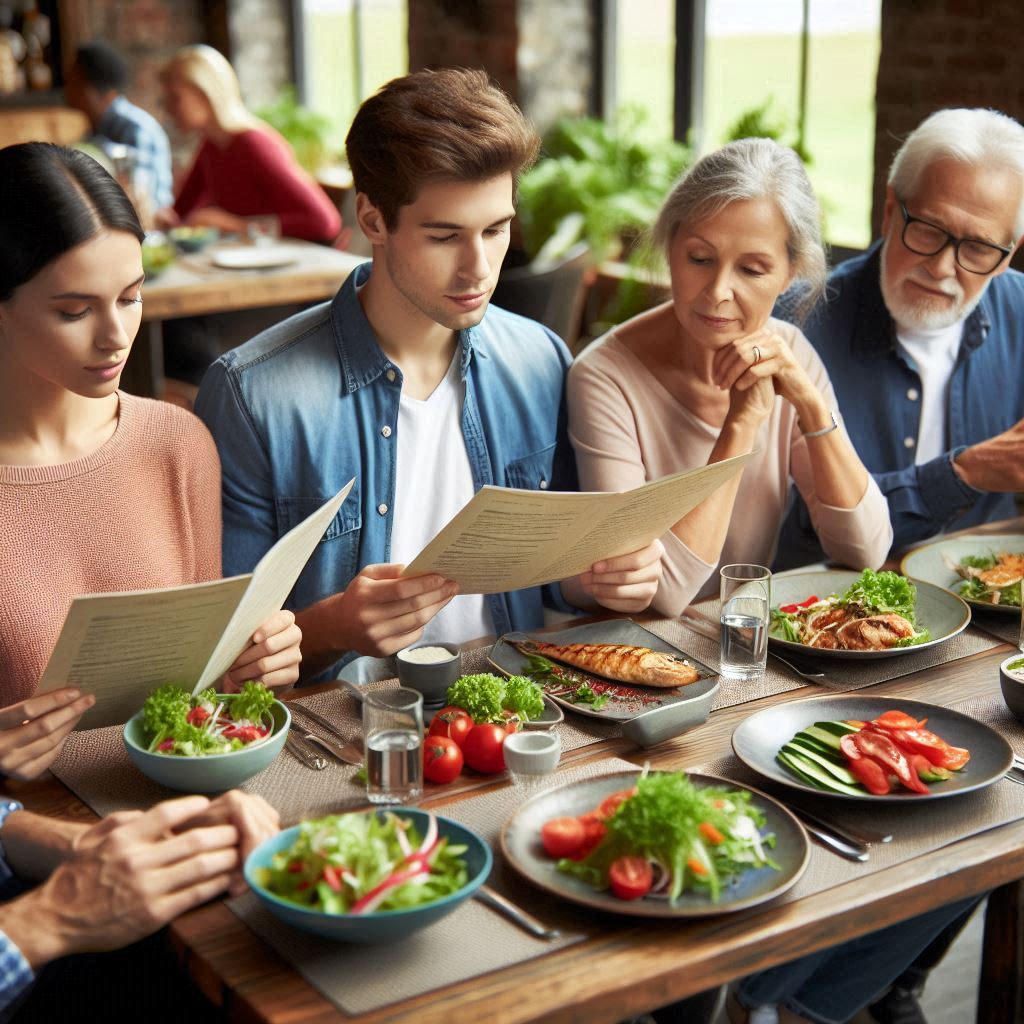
(242, 168)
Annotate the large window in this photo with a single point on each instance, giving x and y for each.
(347, 50)
(752, 55)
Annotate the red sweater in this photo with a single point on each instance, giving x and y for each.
(256, 175)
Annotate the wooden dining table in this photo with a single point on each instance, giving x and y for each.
(622, 971)
(195, 285)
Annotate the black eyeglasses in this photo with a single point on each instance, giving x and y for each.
(929, 239)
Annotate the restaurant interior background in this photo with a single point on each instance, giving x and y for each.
(843, 80)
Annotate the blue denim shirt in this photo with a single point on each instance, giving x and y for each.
(878, 388)
(305, 406)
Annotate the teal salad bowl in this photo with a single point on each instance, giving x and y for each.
(376, 926)
(212, 773)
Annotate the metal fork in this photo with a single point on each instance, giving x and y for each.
(307, 754)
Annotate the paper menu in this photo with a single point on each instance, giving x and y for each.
(121, 646)
(506, 539)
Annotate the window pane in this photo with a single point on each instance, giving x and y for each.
(752, 55)
(333, 32)
(645, 55)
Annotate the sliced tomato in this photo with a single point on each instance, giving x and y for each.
(936, 749)
(630, 877)
(610, 804)
(870, 774)
(594, 831)
(898, 720)
(562, 837)
(849, 747)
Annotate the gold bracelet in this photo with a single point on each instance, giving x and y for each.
(824, 430)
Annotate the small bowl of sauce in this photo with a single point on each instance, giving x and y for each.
(430, 667)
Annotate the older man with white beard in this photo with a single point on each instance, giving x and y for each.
(923, 335)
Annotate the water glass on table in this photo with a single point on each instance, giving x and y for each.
(746, 600)
(264, 230)
(393, 730)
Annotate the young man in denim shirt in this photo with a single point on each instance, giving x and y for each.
(409, 383)
(921, 335)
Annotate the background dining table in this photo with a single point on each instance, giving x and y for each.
(194, 285)
(625, 966)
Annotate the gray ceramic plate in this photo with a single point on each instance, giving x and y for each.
(942, 613)
(928, 563)
(520, 842)
(757, 740)
(632, 700)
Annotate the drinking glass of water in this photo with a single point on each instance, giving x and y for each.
(746, 600)
(393, 730)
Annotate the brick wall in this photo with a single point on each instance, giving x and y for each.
(466, 33)
(943, 53)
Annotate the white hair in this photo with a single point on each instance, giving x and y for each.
(978, 138)
(753, 169)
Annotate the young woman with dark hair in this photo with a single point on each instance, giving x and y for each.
(99, 490)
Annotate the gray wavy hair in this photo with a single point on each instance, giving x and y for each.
(754, 169)
(979, 138)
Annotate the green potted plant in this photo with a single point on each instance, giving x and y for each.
(602, 183)
(306, 131)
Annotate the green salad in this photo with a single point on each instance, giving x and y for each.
(361, 863)
(176, 723)
(691, 838)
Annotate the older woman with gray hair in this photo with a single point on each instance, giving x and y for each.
(710, 375)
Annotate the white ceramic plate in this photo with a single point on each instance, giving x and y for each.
(255, 258)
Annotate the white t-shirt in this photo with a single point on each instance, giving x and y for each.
(933, 354)
(433, 482)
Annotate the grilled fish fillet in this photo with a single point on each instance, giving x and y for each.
(622, 662)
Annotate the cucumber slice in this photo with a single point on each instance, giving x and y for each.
(837, 771)
(832, 753)
(814, 774)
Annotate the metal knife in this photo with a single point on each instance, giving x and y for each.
(835, 844)
(346, 753)
(854, 836)
(485, 894)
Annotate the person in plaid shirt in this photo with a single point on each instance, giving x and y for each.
(111, 883)
(95, 86)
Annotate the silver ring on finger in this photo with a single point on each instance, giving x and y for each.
(757, 355)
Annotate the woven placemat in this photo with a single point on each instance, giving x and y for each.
(474, 940)
(840, 676)
(1006, 627)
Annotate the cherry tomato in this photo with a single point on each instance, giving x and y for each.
(610, 804)
(482, 748)
(562, 837)
(594, 831)
(442, 759)
(630, 877)
(453, 723)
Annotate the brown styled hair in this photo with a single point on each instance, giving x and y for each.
(452, 124)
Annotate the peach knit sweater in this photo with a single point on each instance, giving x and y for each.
(627, 429)
(142, 511)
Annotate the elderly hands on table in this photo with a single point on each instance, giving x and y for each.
(33, 731)
(380, 611)
(128, 875)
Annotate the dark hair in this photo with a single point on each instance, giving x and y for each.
(53, 198)
(102, 67)
(452, 124)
